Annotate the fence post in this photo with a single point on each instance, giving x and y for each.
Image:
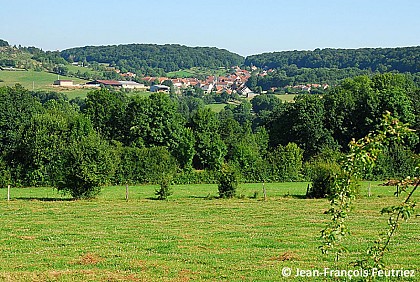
(8, 192)
(264, 192)
(126, 192)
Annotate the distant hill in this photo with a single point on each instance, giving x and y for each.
(154, 59)
(405, 59)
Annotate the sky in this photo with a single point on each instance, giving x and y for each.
(245, 27)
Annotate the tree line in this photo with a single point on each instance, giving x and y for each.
(112, 138)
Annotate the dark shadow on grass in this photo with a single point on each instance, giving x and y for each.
(45, 199)
(199, 197)
(302, 197)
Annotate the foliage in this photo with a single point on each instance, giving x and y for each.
(5, 177)
(3, 43)
(322, 175)
(88, 164)
(144, 165)
(209, 147)
(164, 190)
(285, 163)
(375, 59)
(360, 159)
(301, 122)
(106, 110)
(154, 59)
(153, 121)
(196, 177)
(228, 181)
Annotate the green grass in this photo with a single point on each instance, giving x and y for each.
(287, 97)
(216, 107)
(90, 71)
(32, 79)
(192, 236)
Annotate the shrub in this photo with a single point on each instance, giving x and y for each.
(88, 165)
(228, 181)
(322, 175)
(5, 176)
(285, 163)
(144, 165)
(165, 188)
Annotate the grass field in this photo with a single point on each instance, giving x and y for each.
(286, 97)
(192, 236)
(216, 107)
(32, 79)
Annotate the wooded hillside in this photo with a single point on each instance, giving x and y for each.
(150, 58)
(406, 59)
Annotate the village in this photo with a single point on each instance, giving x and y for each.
(235, 82)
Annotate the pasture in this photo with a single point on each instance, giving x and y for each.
(46, 236)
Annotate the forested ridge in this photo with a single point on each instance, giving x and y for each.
(148, 58)
(405, 59)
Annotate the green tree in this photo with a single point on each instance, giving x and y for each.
(301, 122)
(209, 147)
(88, 164)
(285, 163)
(154, 121)
(228, 181)
(106, 109)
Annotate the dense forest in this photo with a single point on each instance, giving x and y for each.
(331, 66)
(381, 60)
(111, 137)
(151, 58)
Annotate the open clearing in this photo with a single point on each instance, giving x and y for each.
(192, 236)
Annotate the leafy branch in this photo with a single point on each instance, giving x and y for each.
(360, 160)
(396, 214)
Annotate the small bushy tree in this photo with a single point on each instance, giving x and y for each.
(164, 190)
(88, 165)
(228, 181)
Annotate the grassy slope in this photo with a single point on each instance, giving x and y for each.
(216, 107)
(41, 81)
(286, 97)
(187, 237)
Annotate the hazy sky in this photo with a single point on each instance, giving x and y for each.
(245, 27)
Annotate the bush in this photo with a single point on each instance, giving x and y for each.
(5, 176)
(196, 177)
(144, 165)
(285, 163)
(88, 165)
(322, 178)
(165, 190)
(228, 181)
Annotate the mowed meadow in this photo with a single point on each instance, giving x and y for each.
(193, 236)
